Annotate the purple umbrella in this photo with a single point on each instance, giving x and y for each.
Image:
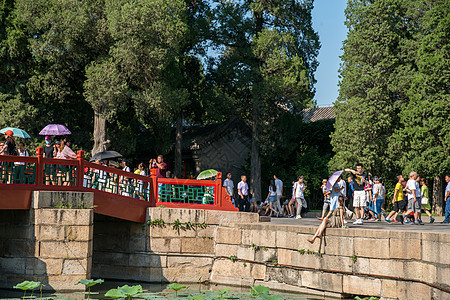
(332, 180)
(55, 129)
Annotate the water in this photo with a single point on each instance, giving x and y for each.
(210, 291)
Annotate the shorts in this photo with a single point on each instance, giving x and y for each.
(414, 206)
(378, 204)
(399, 206)
(334, 203)
(359, 199)
(272, 199)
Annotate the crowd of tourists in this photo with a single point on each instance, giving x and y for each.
(363, 193)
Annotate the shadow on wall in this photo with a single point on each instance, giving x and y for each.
(18, 249)
(122, 252)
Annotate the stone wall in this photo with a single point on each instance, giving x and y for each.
(45, 244)
(235, 249)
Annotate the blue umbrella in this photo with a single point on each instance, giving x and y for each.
(332, 180)
(17, 132)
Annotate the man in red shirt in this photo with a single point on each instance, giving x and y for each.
(161, 167)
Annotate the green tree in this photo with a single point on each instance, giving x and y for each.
(424, 134)
(266, 66)
(374, 80)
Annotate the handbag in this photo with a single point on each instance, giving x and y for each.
(424, 200)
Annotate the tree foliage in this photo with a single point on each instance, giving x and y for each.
(392, 112)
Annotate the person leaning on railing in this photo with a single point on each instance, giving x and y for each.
(64, 152)
(9, 148)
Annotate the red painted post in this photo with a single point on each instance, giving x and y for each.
(218, 188)
(80, 168)
(154, 188)
(39, 166)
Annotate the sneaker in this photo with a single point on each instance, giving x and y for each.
(432, 220)
(344, 226)
(389, 221)
(345, 222)
(371, 219)
(298, 217)
(395, 220)
(407, 222)
(356, 222)
(416, 222)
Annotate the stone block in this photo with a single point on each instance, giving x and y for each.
(306, 260)
(443, 275)
(282, 275)
(217, 217)
(27, 248)
(65, 249)
(165, 245)
(52, 233)
(197, 245)
(284, 256)
(111, 258)
(261, 238)
(338, 263)
(435, 251)
(226, 235)
(227, 267)
(188, 261)
(231, 280)
(371, 248)
(170, 215)
(361, 265)
(268, 255)
(405, 248)
(137, 243)
(338, 245)
(50, 266)
(48, 216)
(209, 231)
(287, 240)
(304, 244)
(322, 281)
(361, 286)
(147, 260)
(258, 271)
(246, 252)
(65, 282)
(386, 267)
(78, 233)
(48, 199)
(224, 250)
(167, 231)
(75, 267)
(187, 274)
(13, 265)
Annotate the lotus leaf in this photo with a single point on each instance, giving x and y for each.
(115, 293)
(28, 285)
(176, 287)
(130, 291)
(260, 290)
(90, 282)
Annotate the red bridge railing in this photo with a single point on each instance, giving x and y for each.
(116, 193)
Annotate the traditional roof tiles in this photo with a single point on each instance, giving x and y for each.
(318, 113)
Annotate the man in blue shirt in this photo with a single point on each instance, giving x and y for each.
(447, 199)
(351, 189)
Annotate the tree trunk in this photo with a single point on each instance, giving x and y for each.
(99, 134)
(255, 170)
(438, 197)
(178, 138)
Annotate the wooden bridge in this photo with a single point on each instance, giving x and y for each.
(117, 193)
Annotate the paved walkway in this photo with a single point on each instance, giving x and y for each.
(427, 227)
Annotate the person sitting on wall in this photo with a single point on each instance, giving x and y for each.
(334, 219)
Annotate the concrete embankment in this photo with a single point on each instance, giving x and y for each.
(233, 248)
